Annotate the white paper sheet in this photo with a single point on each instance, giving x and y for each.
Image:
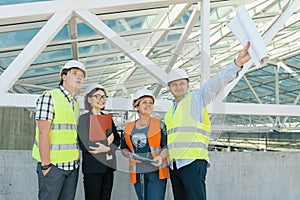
(244, 29)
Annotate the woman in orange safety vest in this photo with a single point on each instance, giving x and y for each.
(144, 142)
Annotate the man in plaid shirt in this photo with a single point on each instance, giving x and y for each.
(55, 146)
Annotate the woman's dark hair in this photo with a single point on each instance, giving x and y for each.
(87, 105)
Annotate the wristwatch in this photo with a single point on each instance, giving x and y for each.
(45, 167)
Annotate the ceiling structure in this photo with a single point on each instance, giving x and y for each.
(128, 45)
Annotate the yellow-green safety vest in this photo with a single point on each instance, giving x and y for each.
(63, 133)
(187, 138)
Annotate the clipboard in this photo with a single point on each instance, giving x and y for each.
(99, 124)
(138, 157)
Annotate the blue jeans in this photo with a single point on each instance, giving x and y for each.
(148, 186)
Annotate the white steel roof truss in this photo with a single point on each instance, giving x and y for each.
(43, 10)
(255, 95)
(28, 101)
(267, 38)
(74, 36)
(205, 41)
(166, 22)
(32, 50)
(179, 46)
(122, 44)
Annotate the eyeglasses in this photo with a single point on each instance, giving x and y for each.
(99, 96)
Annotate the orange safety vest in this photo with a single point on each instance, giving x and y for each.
(154, 138)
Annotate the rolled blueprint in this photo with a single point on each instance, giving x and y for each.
(245, 30)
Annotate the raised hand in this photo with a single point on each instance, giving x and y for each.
(243, 56)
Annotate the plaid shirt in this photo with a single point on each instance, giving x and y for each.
(45, 111)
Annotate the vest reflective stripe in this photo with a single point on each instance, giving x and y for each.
(187, 138)
(164, 164)
(132, 168)
(188, 129)
(63, 146)
(156, 150)
(63, 134)
(154, 139)
(186, 144)
(63, 127)
(60, 146)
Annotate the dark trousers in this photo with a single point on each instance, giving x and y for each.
(98, 186)
(148, 186)
(57, 183)
(188, 182)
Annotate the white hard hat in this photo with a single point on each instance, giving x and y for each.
(92, 86)
(176, 74)
(142, 93)
(74, 64)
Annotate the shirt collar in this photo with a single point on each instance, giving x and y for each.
(175, 103)
(67, 94)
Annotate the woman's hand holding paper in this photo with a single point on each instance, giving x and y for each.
(100, 149)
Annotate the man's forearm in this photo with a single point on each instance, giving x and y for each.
(44, 148)
(44, 141)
